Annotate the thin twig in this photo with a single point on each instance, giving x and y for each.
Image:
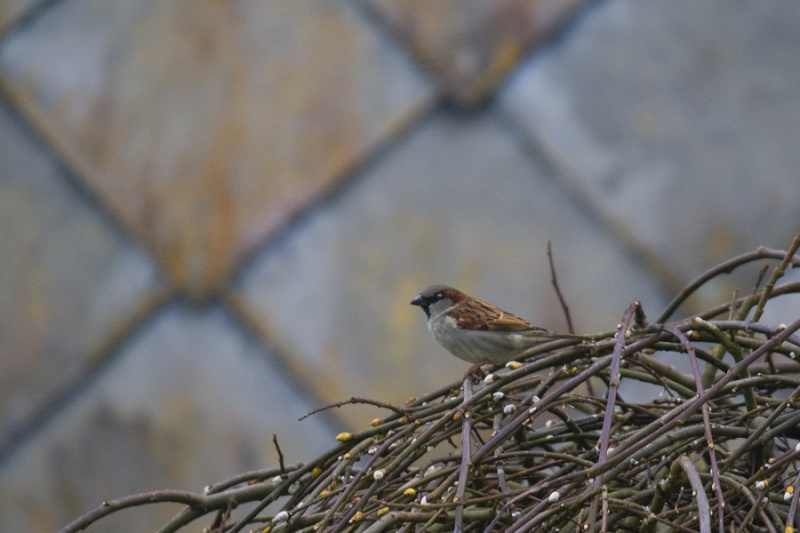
(280, 453)
(223, 517)
(463, 471)
(354, 400)
(777, 274)
(605, 434)
(554, 281)
(724, 268)
(706, 423)
(703, 509)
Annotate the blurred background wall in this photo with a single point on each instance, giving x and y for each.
(215, 213)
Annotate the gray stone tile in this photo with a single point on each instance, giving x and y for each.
(66, 280)
(458, 202)
(205, 127)
(187, 403)
(678, 123)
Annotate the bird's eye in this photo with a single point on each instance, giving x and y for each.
(437, 297)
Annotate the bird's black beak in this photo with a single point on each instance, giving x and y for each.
(423, 303)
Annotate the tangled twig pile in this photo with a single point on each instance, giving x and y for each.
(535, 448)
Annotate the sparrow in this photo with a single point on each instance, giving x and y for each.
(477, 331)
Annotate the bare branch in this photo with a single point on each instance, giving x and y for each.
(554, 281)
(280, 453)
(535, 454)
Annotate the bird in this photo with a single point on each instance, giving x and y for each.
(476, 331)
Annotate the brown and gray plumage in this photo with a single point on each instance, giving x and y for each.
(476, 331)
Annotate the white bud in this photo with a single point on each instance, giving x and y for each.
(282, 516)
(554, 496)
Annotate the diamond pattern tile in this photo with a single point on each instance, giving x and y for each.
(470, 46)
(684, 136)
(206, 126)
(188, 403)
(458, 202)
(68, 282)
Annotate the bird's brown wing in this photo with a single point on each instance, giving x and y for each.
(480, 316)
